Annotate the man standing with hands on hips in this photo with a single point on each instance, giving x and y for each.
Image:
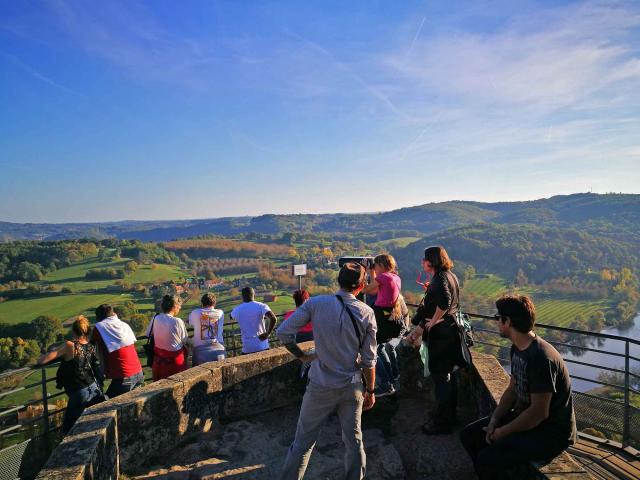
(342, 373)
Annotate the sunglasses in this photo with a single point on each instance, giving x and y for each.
(502, 318)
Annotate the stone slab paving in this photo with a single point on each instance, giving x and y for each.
(254, 448)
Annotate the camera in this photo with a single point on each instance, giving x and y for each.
(366, 262)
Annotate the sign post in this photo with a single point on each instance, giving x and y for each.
(299, 271)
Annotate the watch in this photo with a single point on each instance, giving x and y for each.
(371, 392)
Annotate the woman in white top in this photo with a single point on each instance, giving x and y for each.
(170, 339)
(208, 329)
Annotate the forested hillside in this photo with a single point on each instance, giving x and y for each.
(612, 215)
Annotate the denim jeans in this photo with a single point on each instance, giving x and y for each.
(318, 403)
(78, 401)
(387, 372)
(207, 353)
(123, 385)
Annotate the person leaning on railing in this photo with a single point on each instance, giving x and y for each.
(170, 339)
(437, 327)
(208, 331)
(117, 345)
(79, 373)
(535, 419)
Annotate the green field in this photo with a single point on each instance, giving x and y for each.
(563, 312)
(63, 306)
(399, 242)
(86, 295)
(157, 273)
(485, 286)
(73, 276)
(552, 311)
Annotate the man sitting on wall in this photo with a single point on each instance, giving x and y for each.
(344, 330)
(250, 316)
(534, 419)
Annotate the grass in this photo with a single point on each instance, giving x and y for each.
(63, 307)
(73, 276)
(485, 286)
(155, 274)
(399, 242)
(562, 312)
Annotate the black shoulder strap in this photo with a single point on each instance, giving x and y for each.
(353, 320)
(150, 337)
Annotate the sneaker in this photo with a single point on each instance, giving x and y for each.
(385, 392)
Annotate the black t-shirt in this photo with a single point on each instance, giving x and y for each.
(540, 369)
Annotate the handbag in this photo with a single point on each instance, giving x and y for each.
(465, 334)
(149, 347)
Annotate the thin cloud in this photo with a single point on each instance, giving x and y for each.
(37, 75)
(575, 54)
(415, 37)
(372, 90)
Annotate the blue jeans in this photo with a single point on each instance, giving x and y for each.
(78, 401)
(123, 385)
(207, 353)
(387, 372)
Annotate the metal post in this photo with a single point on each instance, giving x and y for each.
(627, 386)
(299, 282)
(45, 402)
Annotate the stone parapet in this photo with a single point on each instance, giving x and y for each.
(132, 429)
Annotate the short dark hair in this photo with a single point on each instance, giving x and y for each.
(248, 294)
(300, 296)
(520, 310)
(169, 302)
(438, 258)
(104, 311)
(208, 300)
(351, 276)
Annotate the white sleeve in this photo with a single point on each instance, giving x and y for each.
(265, 309)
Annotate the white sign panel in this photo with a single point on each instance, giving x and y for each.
(299, 270)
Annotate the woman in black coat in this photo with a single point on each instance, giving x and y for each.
(436, 325)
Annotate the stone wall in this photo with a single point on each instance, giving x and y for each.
(128, 431)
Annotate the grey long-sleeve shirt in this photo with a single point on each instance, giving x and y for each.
(336, 343)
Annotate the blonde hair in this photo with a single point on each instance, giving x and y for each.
(397, 311)
(81, 326)
(386, 261)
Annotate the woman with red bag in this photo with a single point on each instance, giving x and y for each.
(170, 337)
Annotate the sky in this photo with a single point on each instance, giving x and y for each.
(118, 110)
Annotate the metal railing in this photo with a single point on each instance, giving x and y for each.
(16, 432)
(601, 410)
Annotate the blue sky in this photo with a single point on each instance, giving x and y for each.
(162, 109)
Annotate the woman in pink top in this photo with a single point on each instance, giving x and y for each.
(305, 334)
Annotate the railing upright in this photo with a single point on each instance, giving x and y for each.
(627, 386)
(45, 402)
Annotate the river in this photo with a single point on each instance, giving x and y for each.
(608, 345)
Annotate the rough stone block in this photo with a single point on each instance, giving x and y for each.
(88, 452)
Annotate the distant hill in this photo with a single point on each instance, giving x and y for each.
(611, 215)
(542, 253)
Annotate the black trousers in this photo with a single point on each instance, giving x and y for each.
(492, 460)
(446, 393)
